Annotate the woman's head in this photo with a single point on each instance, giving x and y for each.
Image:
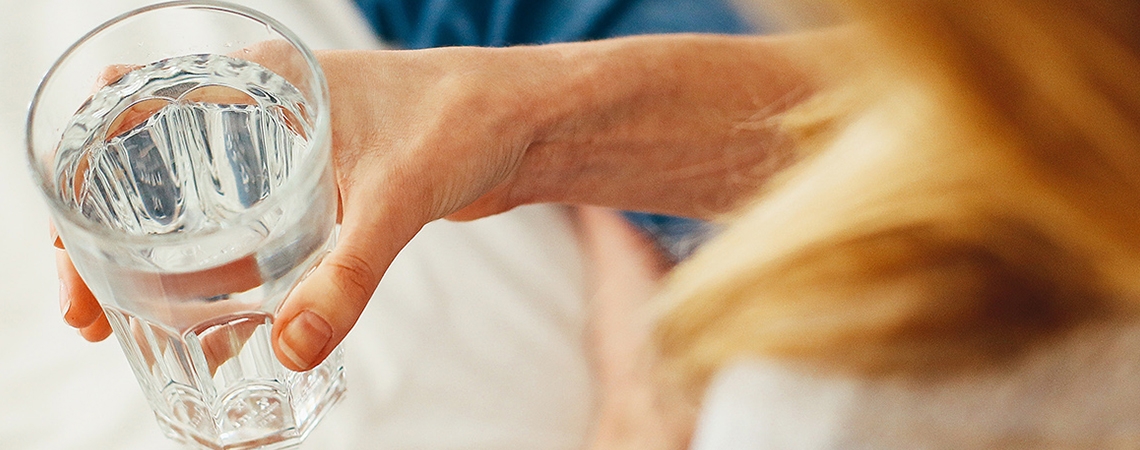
(968, 190)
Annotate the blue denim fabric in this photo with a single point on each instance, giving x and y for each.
(494, 23)
(440, 23)
(676, 237)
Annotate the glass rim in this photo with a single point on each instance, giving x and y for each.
(321, 130)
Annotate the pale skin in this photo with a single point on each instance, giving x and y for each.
(627, 270)
(670, 124)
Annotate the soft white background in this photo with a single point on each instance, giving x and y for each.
(472, 341)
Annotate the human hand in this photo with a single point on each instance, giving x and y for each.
(377, 118)
(464, 133)
(77, 301)
(417, 136)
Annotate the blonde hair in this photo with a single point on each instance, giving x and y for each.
(975, 189)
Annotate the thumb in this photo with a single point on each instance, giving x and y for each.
(320, 311)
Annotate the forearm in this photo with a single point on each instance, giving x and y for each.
(677, 124)
(673, 124)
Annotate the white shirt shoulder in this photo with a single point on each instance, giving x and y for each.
(1080, 392)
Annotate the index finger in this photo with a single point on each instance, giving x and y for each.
(111, 74)
(55, 240)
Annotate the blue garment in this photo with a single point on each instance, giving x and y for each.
(676, 237)
(495, 23)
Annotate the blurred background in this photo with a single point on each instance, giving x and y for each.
(472, 341)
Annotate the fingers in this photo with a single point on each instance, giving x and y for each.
(98, 330)
(55, 240)
(324, 306)
(221, 343)
(278, 56)
(136, 114)
(76, 302)
(111, 74)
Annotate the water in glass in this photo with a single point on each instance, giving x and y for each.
(181, 157)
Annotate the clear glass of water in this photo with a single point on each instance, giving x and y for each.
(184, 150)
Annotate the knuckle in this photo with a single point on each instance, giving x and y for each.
(353, 274)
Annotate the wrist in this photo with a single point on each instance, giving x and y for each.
(673, 124)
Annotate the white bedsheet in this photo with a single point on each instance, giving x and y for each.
(472, 341)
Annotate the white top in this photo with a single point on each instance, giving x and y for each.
(1081, 392)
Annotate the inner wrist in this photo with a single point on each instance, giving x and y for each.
(584, 93)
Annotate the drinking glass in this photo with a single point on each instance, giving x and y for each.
(184, 151)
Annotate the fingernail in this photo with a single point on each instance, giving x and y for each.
(64, 299)
(304, 338)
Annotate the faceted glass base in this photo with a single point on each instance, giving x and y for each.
(219, 386)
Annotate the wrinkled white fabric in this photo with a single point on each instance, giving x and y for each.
(472, 341)
(1081, 392)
